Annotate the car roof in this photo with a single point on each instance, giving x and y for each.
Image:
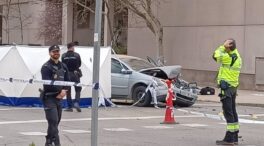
(125, 56)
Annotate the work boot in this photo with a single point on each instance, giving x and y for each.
(48, 142)
(236, 138)
(228, 139)
(56, 141)
(68, 110)
(77, 107)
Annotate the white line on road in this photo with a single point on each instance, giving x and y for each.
(157, 127)
(118, 129)
(258, 94)
(101, 119)
(76, 131)
(10, 109)
(33, 133)
(1, 136)
(217, 117)
(194, 125)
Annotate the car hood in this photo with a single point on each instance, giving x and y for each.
(164, 72)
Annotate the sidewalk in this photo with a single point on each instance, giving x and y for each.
(245, 97)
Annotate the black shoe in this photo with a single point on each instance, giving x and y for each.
(228, 139)
(48, 142)
(68, 110)
(56, 141)
(77, 107)
(236, 138)
(222, 142)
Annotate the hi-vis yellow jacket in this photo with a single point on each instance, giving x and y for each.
(230, 65)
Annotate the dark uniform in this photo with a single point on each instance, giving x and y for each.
(52, 106)
(73, 62)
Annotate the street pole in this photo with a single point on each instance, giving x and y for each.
(96, 67)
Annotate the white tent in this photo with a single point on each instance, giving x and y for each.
(24, 62)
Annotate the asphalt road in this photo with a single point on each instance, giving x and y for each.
(199, 125)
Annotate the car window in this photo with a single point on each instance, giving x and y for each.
(116, 67)
(137, 64)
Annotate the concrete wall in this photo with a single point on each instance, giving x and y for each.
(30, 16)
(193, 29)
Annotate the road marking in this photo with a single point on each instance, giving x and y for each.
(33, 133)
(258, 94)
(118, 129)
(194, 125)
(10, 109)
(101, 119)
(218, 117)
(157, 127)
(1, 136)
(76, 131)
(209, 105)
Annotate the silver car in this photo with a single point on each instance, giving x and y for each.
(130, 76)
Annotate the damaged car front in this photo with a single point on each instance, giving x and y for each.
(131, 76)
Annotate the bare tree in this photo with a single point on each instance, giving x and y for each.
(12, 14)
(115, 30)
(144, 10)
(51, 22)
(6, 18)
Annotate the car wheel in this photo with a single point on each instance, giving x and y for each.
(182, 104)
(137, 93)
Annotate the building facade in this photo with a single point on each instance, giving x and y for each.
(192, 31)
(20, 22)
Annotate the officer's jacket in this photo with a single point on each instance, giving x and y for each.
(72, 60)
(55, 72)
(230, 65)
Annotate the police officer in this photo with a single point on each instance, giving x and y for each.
(228, 80)
(53, 70)
(73, 62)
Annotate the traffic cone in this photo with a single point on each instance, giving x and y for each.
(169, 114)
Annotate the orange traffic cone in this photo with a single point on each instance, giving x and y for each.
(169, 114)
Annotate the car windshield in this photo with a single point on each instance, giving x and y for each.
(137, 64)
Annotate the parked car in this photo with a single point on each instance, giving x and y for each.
(130, 77)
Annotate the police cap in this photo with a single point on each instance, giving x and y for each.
(53, 48)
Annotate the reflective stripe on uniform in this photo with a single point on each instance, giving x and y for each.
(236, 126)
(232, 127)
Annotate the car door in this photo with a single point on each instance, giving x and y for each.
(119, 80)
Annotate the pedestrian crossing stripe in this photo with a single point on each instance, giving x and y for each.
(118, 129)
(76, 131)
(157, 127)
(33, 133)
(194, 125)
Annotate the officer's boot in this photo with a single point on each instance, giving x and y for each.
(236, 138)
(228, 139)
(57, 141)
(48, 142)
(77, 107)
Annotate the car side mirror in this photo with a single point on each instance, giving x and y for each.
(124, 71)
